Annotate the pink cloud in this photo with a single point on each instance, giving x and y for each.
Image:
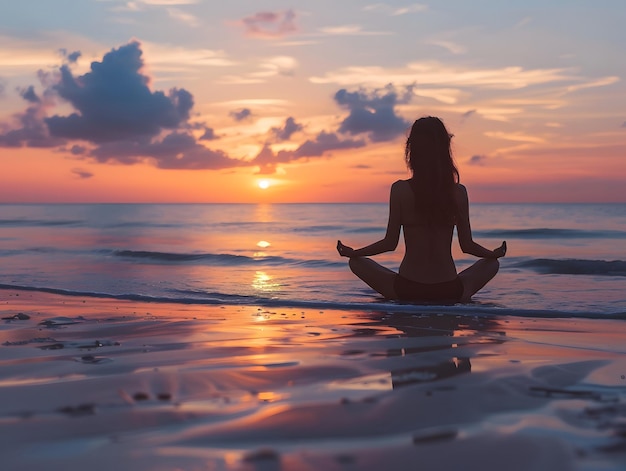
(269, 24)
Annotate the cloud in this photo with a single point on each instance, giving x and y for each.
(173, 58)
(269, 24)
(31, 130)
(29, 95)
(434, 73)
(278, 65)
(601, 82)
(71, 57)
(324, 142)
(450, 46)
(624, 124)
(468, 114)
(168, 2)
(2, 87)
(140, 5)
(268, 68)
(289, 128)
(177, 150)
(373, 113)
(113, 101)
(393, 10)
(514, 136)
(183, 17)
(117, 112)
(209, 135)
(477, 160)
(78, 150)
(82, 174)
(241, 114)
(350, 30)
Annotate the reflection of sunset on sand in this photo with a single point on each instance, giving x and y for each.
(231, 387)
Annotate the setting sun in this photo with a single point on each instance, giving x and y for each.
(263, 184)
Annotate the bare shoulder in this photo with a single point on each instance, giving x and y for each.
(461, 192)
(400, 187)
(400, 184)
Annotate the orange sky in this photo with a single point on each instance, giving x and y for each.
(316, 104)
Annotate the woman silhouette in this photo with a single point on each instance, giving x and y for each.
(427, 206)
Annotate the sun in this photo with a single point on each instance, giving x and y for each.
(263, 184)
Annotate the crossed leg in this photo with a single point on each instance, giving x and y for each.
(477, 276)
(381, 279)
(374, 275)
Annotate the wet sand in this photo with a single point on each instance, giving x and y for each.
(95, 384)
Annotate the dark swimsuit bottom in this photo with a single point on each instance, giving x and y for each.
(409, 290)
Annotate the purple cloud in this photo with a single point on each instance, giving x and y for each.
(113, 101)
(477, 160)
(116, 110)
(467, 114)
(82, 174)
(29, 95)
(177, 150)
(241, 114)
(289, 128)
(209, 134)
(71, 57)
(78, 150)
(269, 24)
(373, 113)
(31, 130)
(324, 142)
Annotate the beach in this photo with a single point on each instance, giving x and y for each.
(233, 337)
(92, 383)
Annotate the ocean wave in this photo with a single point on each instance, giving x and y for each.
(574, 266)
(39, 222)
(547, 233)
(219, 259)
(146, 224)
(318, 228)
(389, 307)
(216, 259)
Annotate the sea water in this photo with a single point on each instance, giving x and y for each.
(562, 260)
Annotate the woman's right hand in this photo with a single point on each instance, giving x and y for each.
(500, 251)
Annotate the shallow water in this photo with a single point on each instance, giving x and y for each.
(563, 259)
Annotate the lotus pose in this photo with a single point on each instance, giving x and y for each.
(427, 207)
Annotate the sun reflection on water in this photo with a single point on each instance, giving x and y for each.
(264, 283)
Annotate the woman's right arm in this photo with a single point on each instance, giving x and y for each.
(464, 230)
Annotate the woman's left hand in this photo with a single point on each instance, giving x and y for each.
(344, 250)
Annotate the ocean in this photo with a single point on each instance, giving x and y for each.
(563, 259)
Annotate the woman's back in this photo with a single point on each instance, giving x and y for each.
(428, 255)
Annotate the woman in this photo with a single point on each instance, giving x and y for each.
(427, 207)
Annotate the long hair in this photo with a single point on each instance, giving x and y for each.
(435, 176)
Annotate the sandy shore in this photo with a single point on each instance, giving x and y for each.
(106, 384)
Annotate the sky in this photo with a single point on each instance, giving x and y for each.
(282, 101)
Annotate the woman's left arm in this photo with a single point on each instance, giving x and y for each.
(392, 236)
